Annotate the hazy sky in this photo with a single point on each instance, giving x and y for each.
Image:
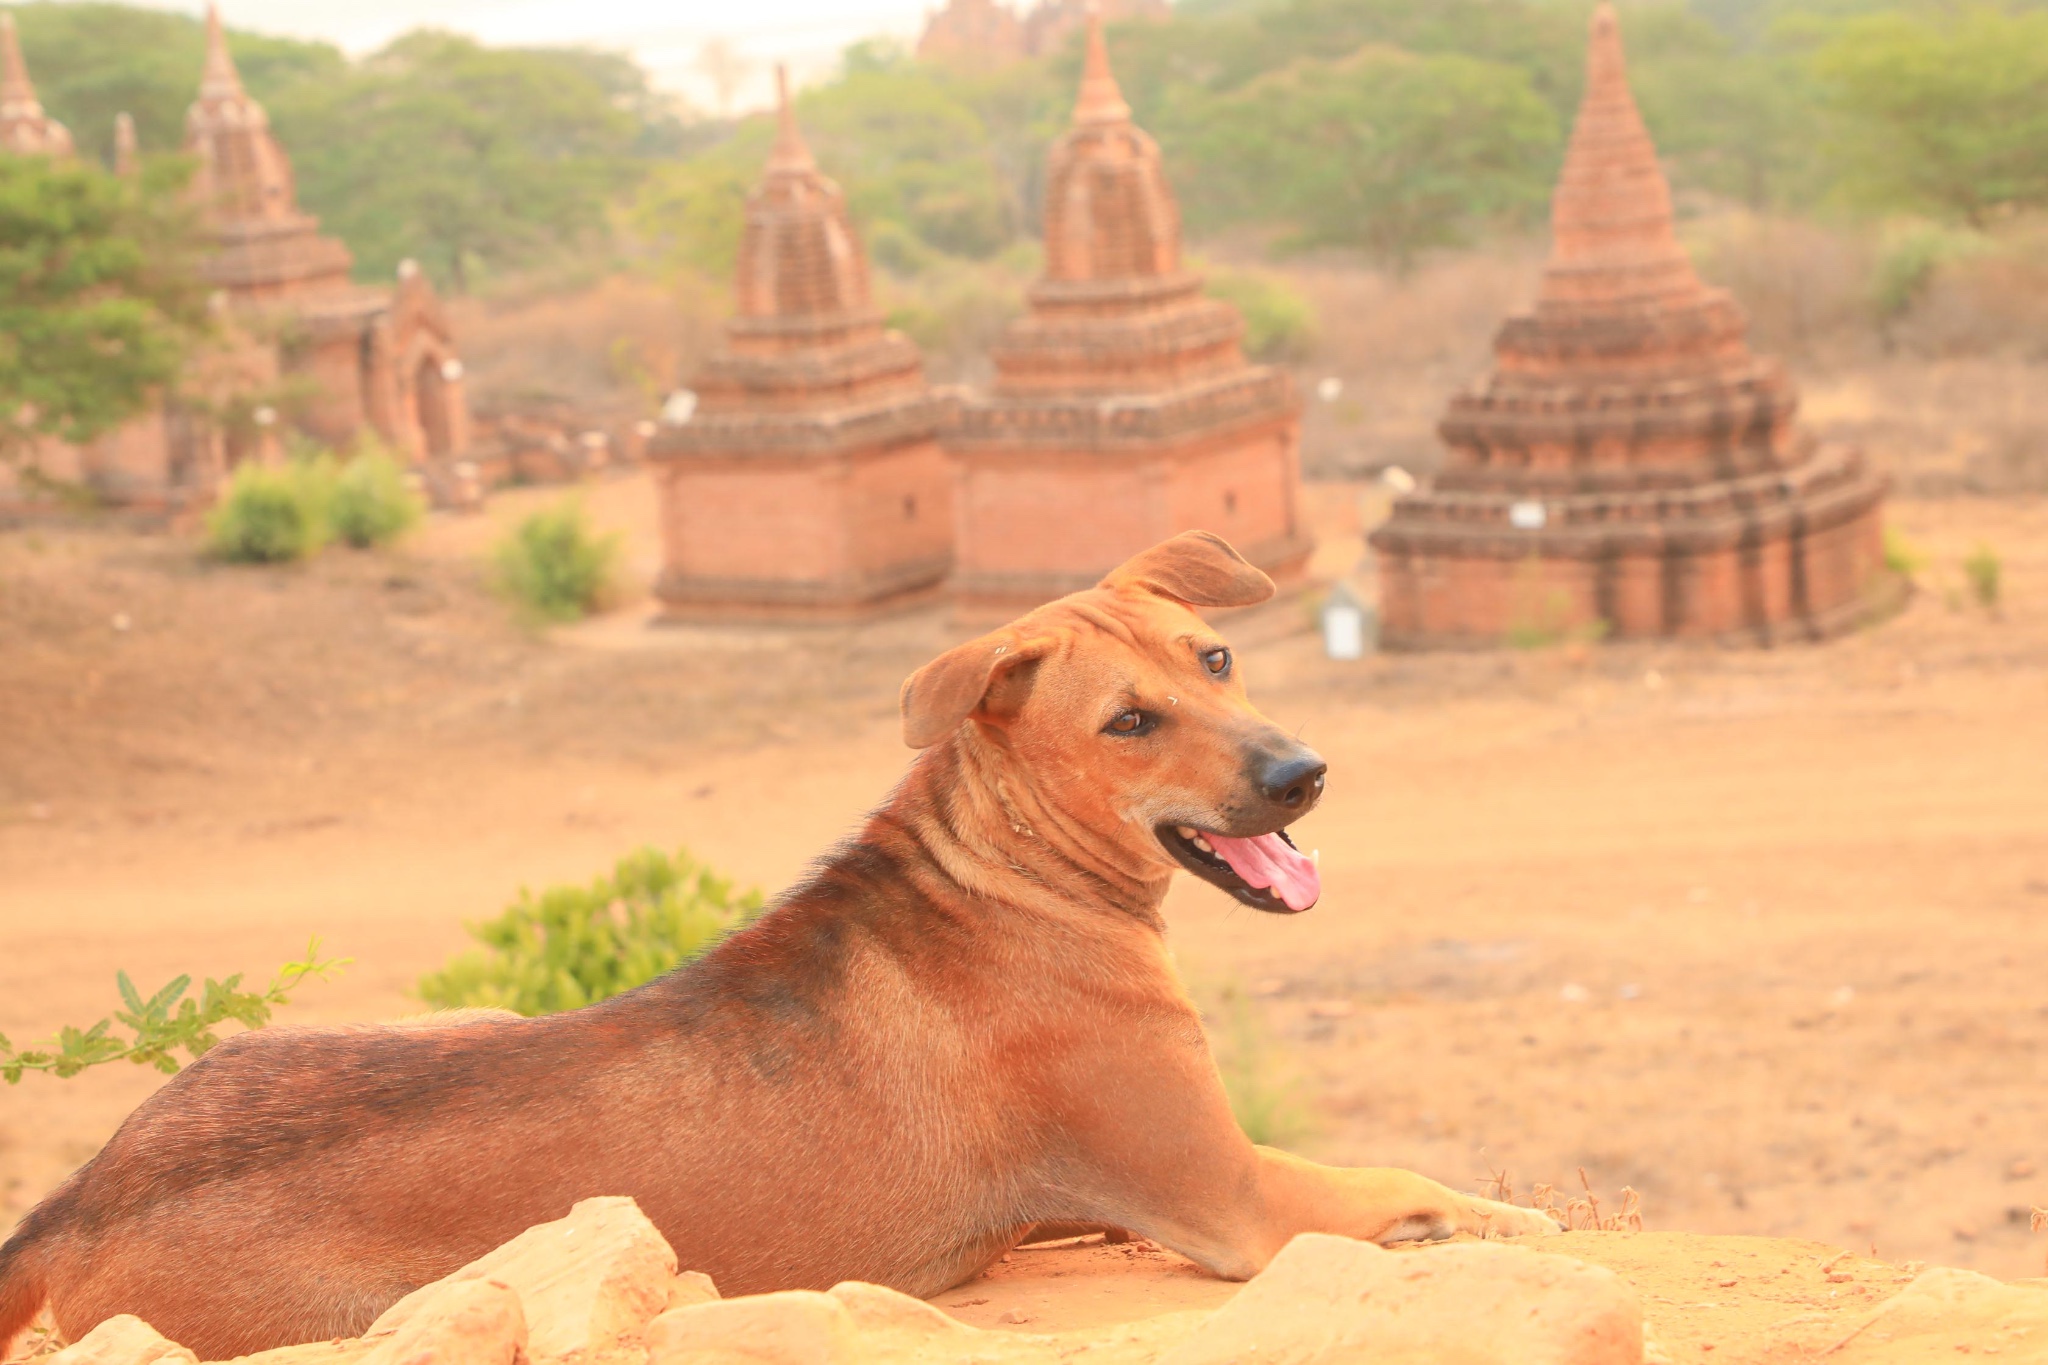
(666, 36)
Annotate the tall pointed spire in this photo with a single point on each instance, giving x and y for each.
(1611, 214)
(798, 254)
(15, 88)
(1109, 213)
(789, 152)
(24, 127)
(218, 79)
(127, 161)
(1101, 101)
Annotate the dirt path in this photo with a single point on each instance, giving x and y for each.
(1758, 934)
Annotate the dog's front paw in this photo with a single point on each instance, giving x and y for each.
(1490, 1218)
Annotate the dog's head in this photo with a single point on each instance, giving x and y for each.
(1127, 714)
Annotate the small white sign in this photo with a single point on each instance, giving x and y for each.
(1343, 624)
(680, 407)
(1528, 516)
(1329, 388)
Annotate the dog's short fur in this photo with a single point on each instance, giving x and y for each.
(961, 1024)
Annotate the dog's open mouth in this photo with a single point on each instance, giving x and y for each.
(1266, 872)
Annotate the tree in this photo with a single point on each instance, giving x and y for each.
(1384, 150)
(907, 149)
(921, 172)
(94, 60)
(99, 299)
(463, 156)
(691, 213)
(1941, 114)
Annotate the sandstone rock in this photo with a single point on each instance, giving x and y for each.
(123, 1340)
(854, 1324)
(470, 1322)
(589, 1284)
(795, 1327)
(691, 1287)
(1330, 1299)
(1945, 1314)
(340, 1351)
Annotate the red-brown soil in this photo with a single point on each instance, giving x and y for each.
(1757, 933)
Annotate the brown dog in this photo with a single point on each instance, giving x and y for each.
(963, 1023)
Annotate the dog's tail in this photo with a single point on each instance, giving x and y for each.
(24, 1288)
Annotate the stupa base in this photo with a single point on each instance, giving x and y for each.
(990, 598)
(697, 600)
(1786, 556)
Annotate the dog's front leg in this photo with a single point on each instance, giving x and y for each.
(1376, 1204)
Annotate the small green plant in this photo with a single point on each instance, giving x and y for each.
(272, 515)
(1264, 1097)
(572, 945)
(1986, 573)
(165, 1023)
(1901, 556)
(555, 566)
(371, 503)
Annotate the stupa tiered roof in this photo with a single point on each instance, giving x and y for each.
(805, 356)
(265, 246)
(25, 129)
(1123, 410)
(1629, 459)
(1115, 311)
(808, 480)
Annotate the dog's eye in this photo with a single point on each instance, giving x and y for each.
(1130, 723)
(1217, 661)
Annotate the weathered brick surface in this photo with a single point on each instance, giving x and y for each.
(1123, 411)
(380, 360)
(1663, 486)
(809, 482)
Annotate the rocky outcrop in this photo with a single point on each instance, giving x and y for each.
(123, 1340)
(1946, 1314)
(589, 1285)
(600, 1287)
(1332, 1299)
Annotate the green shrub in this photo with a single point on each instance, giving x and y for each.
(371, 502)
(1901, 556)
(555, 565)
(572, 945)
(272, 515)
(164, 1023)
(1279, 324)
(1985, 571)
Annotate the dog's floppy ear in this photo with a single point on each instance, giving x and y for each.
(955, 685)
(1196, 567)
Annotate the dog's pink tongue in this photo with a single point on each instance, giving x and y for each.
(1269, 861)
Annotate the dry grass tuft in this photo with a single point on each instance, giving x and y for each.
(1580, 1213)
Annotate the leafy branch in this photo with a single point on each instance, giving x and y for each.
(166, 1022)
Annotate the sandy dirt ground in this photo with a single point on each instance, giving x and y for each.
(1747, 1300)
(1758, 934)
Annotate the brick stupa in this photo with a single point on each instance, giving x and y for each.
(1630, 466)
(379, 360)
(809, 482)
(25, 129)
(1123, 411)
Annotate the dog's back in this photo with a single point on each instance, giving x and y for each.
(294, 1182)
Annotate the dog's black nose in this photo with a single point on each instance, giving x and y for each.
(1294, 781)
